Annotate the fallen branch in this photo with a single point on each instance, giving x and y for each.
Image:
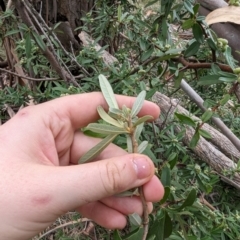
(217, 121)
(88, 41)
(206, 151)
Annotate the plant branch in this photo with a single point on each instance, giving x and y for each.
(57, 40)
(28, 78)
(197, 65)
(145, 220)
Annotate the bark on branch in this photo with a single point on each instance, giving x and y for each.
(205, 150)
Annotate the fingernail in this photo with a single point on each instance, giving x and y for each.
(142, 167)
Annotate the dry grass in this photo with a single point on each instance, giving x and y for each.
(69, 227)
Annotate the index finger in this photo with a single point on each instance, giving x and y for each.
(81, 109)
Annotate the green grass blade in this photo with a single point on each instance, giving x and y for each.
(96, 150)
(107, 92)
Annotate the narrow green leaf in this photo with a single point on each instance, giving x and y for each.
(168, 226)
(189, 200)
(166, 194)
(206, 116)
(211, 44)
(105, 129)
(136, 234)
(151, 3)
(185, 119)
(55, 26)
(238, 164)
(107, 118)
(176, 51)
(215, 69)
(192, 49)
(198, 32)
(194, 140)
(28, 45)
(135, 219)
(229, 57)
(178, 79)
(209, 80)
(138, 103)
(116, 235)
(147, 54)
(228, 80)
(157, 228)
(143, 119)
(172, 156)
(225, 99)
(138, 131)
(126, 111)
(39, 41)
(188, 24)
(172, 163)
(107, 92)
(115, 113)
(188, 6)
(119, 12)
(228, 75)
(166, 176)
(195, 9)
(142, 146)
(201, 184)
(96, 150)
(12, 32)
(93, 134)
(23, 27)
(205, 134)
(129, 144)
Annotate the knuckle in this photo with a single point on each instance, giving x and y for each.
(112, 182)
(24, 112)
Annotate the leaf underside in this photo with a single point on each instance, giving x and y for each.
(96, 150)
(138, 103)
(105, 129)
(107, 92)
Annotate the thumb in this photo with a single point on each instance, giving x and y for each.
(81, 184)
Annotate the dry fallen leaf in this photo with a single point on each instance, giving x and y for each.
(225, 14)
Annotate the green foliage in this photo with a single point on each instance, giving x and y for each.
(148, 49)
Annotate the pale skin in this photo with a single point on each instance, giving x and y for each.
(40, 178)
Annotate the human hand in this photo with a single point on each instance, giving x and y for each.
(40, 178)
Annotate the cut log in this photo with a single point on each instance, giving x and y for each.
(217, 121)
(205, 150)
(88, 41)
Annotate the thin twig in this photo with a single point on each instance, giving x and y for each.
(57, 40)
(28, 78)
(197, 65)
(37, 79)
(64, 225)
